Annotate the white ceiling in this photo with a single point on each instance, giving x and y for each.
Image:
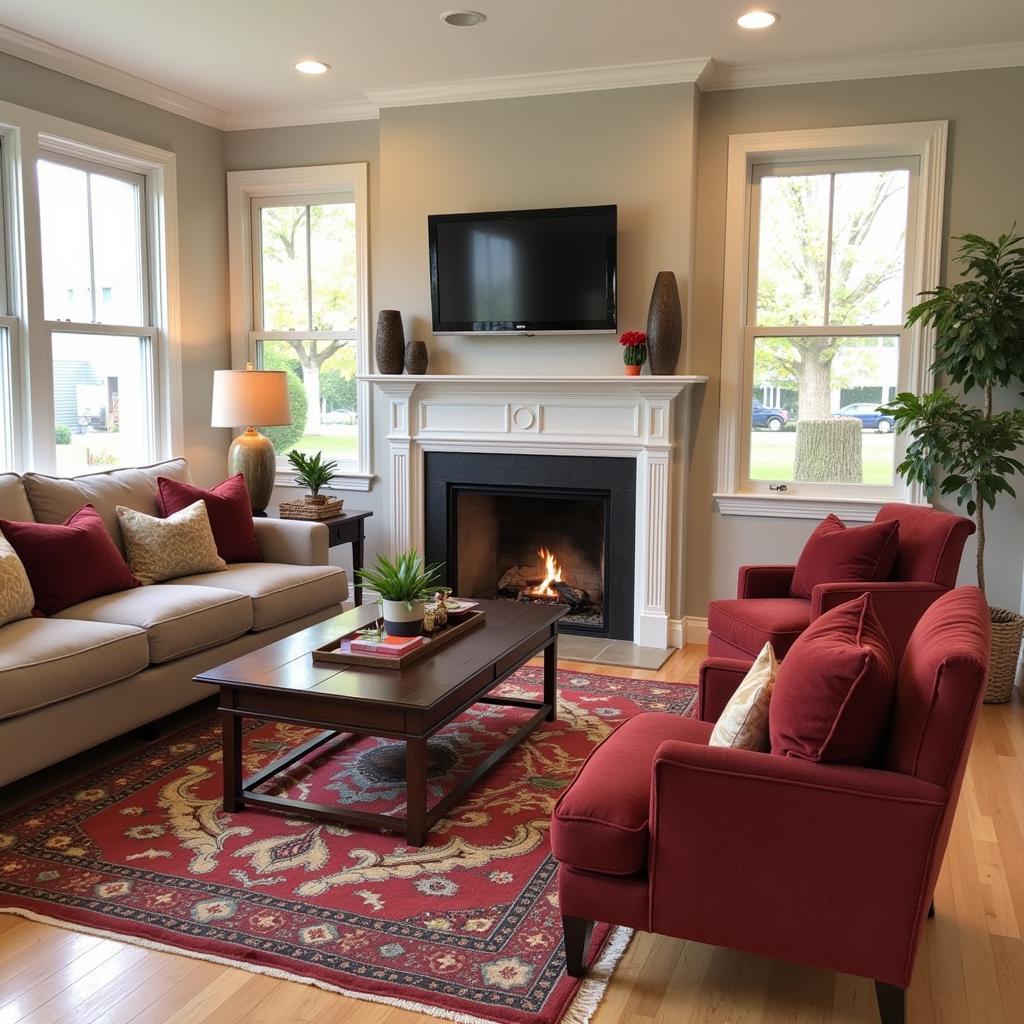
(230, 61)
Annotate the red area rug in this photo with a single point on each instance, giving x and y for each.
(466, 928)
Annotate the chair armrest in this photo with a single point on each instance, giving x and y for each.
(292, 542)
(718, 681)
(899, 604)
(826, 865)
(764, 580)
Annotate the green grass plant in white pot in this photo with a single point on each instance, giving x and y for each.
(403, 586)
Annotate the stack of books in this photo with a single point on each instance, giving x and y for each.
(389, 647)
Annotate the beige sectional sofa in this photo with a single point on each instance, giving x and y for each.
(114, 663)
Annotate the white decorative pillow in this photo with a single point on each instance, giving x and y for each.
(744, 722)
(16, 597)
(161, 549)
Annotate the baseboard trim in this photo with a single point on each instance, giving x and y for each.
(691, 629)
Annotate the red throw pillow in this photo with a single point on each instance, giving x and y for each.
(229, 510)
(69, 563)
(835, 554)
(834, 690)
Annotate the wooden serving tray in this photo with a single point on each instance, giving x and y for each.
(329, 653)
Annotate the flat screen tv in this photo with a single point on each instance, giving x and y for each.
(524, 271)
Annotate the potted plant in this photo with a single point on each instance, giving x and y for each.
(634, 351)
(312, 473)
(979, 343)
(403, 585)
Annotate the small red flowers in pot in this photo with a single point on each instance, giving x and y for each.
(634, 351)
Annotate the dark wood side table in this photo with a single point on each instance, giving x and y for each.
(349, 528)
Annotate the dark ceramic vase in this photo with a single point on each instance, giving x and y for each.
(390, 342)
(416, 357)
(664, 325)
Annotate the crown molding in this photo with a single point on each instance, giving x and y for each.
(618, 76)
(85, 69)
(329, 113)
(883, 65)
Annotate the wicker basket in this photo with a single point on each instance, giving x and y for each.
(311, 511)
(1007, 630)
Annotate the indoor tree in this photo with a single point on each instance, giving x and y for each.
(979, 343)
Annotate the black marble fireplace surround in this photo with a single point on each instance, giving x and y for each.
(583, 509)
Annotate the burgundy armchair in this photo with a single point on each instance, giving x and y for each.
(828, 865)
(930, 545)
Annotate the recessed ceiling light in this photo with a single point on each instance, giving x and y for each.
(463, 19)
(312, 67)
(757, 19)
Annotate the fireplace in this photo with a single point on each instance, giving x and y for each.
(538, 528)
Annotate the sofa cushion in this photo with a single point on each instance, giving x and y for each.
(53, 498)
(164, 549)
(229, 509)
(600, 821)
(70, 562)
(279, 593)
(16, 597)
(177, 620)
(834, 690)
(837, 554)
(43, 661)
(750, 623)
(13, 499)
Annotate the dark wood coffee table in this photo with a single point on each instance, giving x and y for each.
(280, 682)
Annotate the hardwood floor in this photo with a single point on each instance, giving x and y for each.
(970, 968)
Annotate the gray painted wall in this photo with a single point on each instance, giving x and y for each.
(202, 229)
(984, 194)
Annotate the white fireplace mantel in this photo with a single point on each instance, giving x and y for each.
(572, 416)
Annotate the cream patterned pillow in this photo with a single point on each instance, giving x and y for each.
(16, 597)
(161, 549)
(744, 722)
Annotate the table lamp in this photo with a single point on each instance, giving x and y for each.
(255, 398)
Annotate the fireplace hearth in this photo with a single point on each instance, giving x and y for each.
(542, 529)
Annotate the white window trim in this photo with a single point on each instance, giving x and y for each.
(27, 135)
(926, 140)
(243, 187)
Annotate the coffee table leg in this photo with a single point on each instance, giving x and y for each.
(551, 678)
(416, 792)
(231, 729)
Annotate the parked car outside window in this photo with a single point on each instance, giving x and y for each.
(871, 418)
(764, 416)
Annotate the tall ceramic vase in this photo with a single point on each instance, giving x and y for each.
(664, 325)
(390, 342)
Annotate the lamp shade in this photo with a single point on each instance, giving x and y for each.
(250, 398)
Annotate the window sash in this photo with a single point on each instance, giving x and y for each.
(148, 401)
(143, 262)
(9, 398)
(259, 203)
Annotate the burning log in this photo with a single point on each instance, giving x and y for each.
(574, 597)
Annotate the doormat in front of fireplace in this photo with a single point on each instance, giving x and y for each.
(466, 928)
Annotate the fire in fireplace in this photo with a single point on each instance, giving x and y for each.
(537, 528)
(535, 547)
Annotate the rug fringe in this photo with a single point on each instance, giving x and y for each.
(595, 984)
(580, 1010)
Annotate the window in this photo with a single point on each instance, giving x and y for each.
(8, 334)
(90, 367)
(299, 298)
(825, 257)
(96, 307)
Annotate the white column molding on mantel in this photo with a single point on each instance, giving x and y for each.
(575, 416)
